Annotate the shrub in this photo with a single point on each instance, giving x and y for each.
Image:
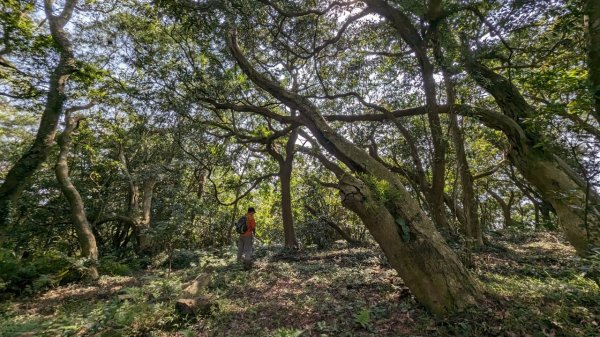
(182, 258)
(315, 232)
(109, 265)
(38, 272)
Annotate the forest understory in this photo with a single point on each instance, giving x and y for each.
(533, 283)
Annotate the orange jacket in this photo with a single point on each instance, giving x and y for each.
(251, 225)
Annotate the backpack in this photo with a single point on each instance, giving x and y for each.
(241, 226)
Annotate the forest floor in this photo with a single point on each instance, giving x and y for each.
(533, 282)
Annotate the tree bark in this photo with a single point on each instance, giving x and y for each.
(592, 27)
(285, 178)
(86, 238)
(428, 267)
(143, 238)
(455, 209)
(471, 227)
(506, 207)
(409, 239)
(139, 208)
(18, 176)
(286, 166)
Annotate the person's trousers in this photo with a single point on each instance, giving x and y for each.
(245, 248)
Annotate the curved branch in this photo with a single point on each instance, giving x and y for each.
(288, 14)
(241, 196)
(260, 110)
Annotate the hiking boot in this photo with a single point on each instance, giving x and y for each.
(247, 264)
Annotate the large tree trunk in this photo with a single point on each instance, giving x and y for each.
(569, 198)
(18, 176)
(418, 252)
(408, 238)
(592, 23)
(86, 238)
(577, 208)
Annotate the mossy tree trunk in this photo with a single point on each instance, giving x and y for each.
(86, 238)
(413, 247)
(577, 207)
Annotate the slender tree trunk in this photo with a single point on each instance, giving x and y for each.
(285, 176)
(417, 177)
(133, 200)
(407, 32)
(286, 166)
(139, 208)
(201, 177)
(471, 227)
(438, 168)
(506, 207)
(542, 208)
(18, 176)
(143, 238)
(86, 238)
(409, 239)
(592, 27)
(536, 214)
(456, 210)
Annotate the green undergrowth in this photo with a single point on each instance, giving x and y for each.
(534, 287)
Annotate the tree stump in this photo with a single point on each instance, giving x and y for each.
(200, 305)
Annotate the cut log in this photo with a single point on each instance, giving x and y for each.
(200, 305)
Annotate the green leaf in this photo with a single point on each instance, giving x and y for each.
(363, 318)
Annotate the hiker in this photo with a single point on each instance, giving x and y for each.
(246, 238)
